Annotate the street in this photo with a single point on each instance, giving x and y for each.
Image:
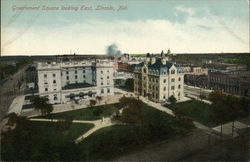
(196, 91)
(9, 90)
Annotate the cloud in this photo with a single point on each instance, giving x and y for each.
(132, 37)
(189, 11)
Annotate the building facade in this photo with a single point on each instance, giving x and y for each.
(65, 81)
(158, 79)
(233, 82)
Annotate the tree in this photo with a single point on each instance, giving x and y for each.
(99, 98)
(132, 110)
(129, 84)
(172, 99)
(92, 102)
(179, 112)
(41, 103)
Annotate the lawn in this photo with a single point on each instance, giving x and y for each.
(86, 113)
(44, 141)
(108, 143)
(51, 131)
(197, 110)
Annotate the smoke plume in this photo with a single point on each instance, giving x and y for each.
(113, 50)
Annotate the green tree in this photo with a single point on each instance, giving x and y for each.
(99, 98)
(172, 99)
(92, 102)
(129, 84)
(42, 104)
(132, 110)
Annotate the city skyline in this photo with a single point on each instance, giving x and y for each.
(141, 26)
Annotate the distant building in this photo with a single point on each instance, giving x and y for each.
(195, 70)
(125, 67)
(226, 66)
(31, 74)
(233, 82)
(65, 81)
(158, 79)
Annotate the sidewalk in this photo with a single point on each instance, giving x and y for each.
(17, 105)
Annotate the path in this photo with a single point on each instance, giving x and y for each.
(212, 131)
(98, 124)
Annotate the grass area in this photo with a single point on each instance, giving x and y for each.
(197, 110)
(44, 141)
(86, 113)
(52, 132)
(108, 143)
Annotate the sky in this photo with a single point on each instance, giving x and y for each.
(142, 26)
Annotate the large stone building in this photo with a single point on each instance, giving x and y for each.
(65, 81)
(233, 82)
(158, 79)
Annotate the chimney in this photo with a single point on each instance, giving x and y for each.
(152, 60)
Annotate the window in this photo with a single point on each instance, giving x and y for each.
(107, 77)
(67, 77)
(76, 77)
(101, 72)
(164, 89)
(55, 97)
(172, 80)
(84, 76)
(46, 89)
(102, 90)
(83, 71)
(54, 81)
(55, 89)
(67, 72)
(179, 86)
(164, 81)
(172, 71)
(172, 87)
(180, 79)
(75, 72)
(45, 75)
(108, 90)
(54, 75)
(101, 83)
(46, 83)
